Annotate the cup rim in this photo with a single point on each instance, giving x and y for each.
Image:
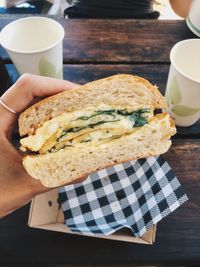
(172, 57)
(37, 50)
(192, 27)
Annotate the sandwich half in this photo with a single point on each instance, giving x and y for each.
(75, 133)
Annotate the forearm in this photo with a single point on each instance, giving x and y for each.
(17, 192)
(16, 186)
(180, 7)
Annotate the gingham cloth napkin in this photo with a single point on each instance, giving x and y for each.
(135, 195)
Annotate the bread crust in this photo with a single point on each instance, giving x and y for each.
(72, 99)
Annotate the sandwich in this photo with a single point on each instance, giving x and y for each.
(70, 135)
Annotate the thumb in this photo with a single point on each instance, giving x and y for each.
(24, 91)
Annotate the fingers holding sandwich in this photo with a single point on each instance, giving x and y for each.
(17, 187)
(76, 133)
(27, 90)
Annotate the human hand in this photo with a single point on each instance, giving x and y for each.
(16, 186)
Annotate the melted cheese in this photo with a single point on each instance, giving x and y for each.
(53, 133)
(55, 126)
(95, 136)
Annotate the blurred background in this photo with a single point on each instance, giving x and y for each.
(56, 7)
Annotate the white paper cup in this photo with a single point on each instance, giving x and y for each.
(193, 18)
(183, 85)
(35, 45)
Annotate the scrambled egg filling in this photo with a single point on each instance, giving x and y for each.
(89, 126)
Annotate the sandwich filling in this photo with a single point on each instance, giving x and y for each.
(91, 126)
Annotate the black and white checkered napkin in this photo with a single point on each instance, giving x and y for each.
(133, 195)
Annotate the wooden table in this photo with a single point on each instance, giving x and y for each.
(94, 49)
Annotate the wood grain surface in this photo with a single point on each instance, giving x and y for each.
(122, 40)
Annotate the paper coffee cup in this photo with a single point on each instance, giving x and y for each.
(35, 45)
(183, 85)
(193, 18)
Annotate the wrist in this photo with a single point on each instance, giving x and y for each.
(18, 193)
